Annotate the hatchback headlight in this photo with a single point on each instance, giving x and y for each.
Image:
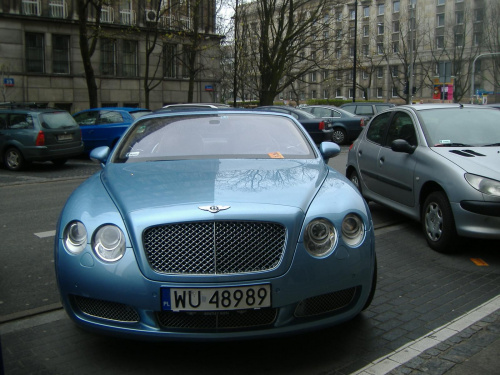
(320, 237)
(353, 230)
(109, 243)
(483, 184)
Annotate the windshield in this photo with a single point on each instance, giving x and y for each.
(461, 126)
(57, 120)
(138, 114)
(214, 136)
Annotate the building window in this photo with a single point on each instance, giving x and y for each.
(338, 34)
(366, 50)
(380, 29)
(32, 7)
(338, 75)
(395, 47)
(477, 38)
(35, 52)
(395, 26)
(352, 32)
(352, 14)
(351, 92)
(395, 6)
(366, 30)
(364, 75)
(441, 2)
(440, 42)
(338, 53)
(107, 14)
(325, 75)
(326, 94)
(380, 48)
(394, 92)
(338, 93)
(459, 17)
(58, 8)
(108, 57)
(366, 12)
(351, 51)
(381, 9)
(478, 15)
(380, 72)
(60, 54)
(440, 20)
(169, 56)
(312, 77)
(459, 40)
(380, 92)
(129, 58)
(394, 71)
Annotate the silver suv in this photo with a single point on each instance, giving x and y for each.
(29, 133)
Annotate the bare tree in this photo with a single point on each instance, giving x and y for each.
(279, 41)
(89, 34)
(489, 38)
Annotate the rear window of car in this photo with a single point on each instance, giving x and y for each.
(364, 110)
(57, 120)
(233, 136)
(349, 108)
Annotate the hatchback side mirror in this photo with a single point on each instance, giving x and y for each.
(329, 150)
(400, 145)
(100, 154)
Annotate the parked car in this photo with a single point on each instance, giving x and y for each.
(346, 126)
(196, 105)
(314, 125)
(104, 126)
(367, 109)
(438, 164)
(29, 133)
(215, 225)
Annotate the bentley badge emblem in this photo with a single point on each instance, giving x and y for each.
(213, 209)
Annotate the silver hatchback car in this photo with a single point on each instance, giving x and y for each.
(436, 163)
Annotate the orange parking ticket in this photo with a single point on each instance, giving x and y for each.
(275, 155)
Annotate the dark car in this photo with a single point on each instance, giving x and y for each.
(346, 126)
(104, 126)
(29, 133)
(314, 125)
(367, 109)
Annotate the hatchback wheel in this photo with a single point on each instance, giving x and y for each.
(354, 178)
(339, 136)
(13, 159)
(438, 223)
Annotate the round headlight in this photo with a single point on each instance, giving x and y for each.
(109, 243)
(353, 230)
(75, 237)
(483, 184)
(320, 237)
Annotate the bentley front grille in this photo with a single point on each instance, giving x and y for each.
(220, 247)
(226, 320)
(106, 309)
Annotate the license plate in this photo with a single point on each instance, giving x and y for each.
(216, 299)
(65, 137)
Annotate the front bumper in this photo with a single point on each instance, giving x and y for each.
(117, 299)
(477, 219)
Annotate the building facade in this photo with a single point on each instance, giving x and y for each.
(141, 45)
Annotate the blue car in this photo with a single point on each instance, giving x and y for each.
(104, 126)
(215, 225)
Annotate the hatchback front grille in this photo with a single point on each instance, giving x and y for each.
(220, 247)
(106, 309)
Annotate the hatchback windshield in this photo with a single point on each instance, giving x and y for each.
(57, 120)
(214, 136)
(461, 127)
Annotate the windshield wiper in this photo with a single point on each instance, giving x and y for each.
(492, 144)
(452, 145)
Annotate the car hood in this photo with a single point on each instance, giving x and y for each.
(139, 186)
(484, 161)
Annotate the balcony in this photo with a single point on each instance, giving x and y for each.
(107, 14)
(128, 17)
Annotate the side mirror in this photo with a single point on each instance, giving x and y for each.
(329, 150)
(400, 145)
(100, 154)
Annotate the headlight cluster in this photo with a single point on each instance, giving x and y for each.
(483, 184)
(321, 237)
(108, 241)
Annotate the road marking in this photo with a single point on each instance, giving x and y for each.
(50, 233)
(413, 349)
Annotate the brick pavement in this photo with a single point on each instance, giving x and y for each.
(418, 291)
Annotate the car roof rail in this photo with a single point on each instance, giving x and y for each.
(21, 105)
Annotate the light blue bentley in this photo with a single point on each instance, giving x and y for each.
(215, 224)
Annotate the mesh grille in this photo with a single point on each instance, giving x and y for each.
(221, 247)
(106, 310)
(325, 303)
(217, 320)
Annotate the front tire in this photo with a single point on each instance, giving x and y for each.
(13, 159)
(354, 178)
(339, 136)
(438, 223)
